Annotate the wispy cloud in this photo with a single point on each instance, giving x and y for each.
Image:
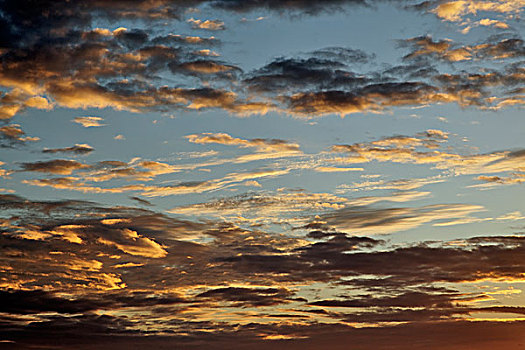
(89, 121)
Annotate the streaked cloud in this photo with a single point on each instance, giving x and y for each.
(89, 121)
(57, 166)
(78, 149)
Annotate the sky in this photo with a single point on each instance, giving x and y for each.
(262, 174)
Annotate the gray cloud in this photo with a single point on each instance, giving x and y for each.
(77, 149)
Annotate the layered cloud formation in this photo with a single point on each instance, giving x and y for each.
(262, 174)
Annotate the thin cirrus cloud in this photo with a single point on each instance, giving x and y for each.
(76, 149)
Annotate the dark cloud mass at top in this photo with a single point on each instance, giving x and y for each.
(53, 55)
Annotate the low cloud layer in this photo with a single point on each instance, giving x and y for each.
(176, 273)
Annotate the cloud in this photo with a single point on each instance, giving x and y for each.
(205, 68)
(265, 148)
(425, 46)
(455, 11)
(326, 68)
(305, 6)
(69, 62)
(108, 170)
(12, 134)
(73, 184)
(424, 148)
(208, 24)
(57, 166)
(492, 22)
(401, 184)
(181, 275)
(262, 145)
(141, 200)
(137, 169)
(286, 208)
(255, 297)
(268, 269)
(78, 149)
(89, 121)
(367, 220)
(257, 208)
(371, 98)
(17, 100)
(3, 172)
(329, 169)
(493, 48)
(132, 243)
(210, 185)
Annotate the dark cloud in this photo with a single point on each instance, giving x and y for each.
(77, 149)
(311, 7)
(318, 86)
(76, 66)
(39, 301)
(341, 54)
(412, 299)
(59, 59)
(502, 49)
(85, 332)
(56, 166)
(373, 97)
(141, 200)
(204, 68)
(249, 297)
(292, 74)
